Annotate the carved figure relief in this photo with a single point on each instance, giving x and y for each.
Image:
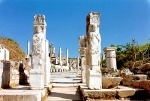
(93, 28)
(38, 29)
(94, 19)
(39, 19)
(82, 41)
(94, 41)
(37, 44)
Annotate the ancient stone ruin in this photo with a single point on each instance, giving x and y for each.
(103, 83)
(40, 63)
(49, 76)
(93, 47)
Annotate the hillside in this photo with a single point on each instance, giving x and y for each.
(16, 53)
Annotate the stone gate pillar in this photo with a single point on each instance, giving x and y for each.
(38, 53)
(111, 57)
(93, 50)
(82, 51)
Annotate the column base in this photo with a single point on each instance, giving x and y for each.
(94, 80)
(36, 79)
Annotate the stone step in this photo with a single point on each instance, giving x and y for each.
(20, 95)
(64, 94)
(122, 92)
(23, 93)
(67, 81)
(66, 85)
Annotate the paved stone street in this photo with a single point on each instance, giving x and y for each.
(65, 86)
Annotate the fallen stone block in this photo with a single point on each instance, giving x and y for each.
(20, 95)
(110, 82)
(121, 93)
(129, 79)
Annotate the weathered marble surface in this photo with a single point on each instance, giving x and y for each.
(123, 93)
(82, 41)
(9, 74)
(129, 79)
(37, 77)
(82, 51)
(20, 95)
(111, 57)
(110, 82)
(83, 69)
(93, 50)
(47, 65)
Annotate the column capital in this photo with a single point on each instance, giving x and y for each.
(109, 49)
(82, 51)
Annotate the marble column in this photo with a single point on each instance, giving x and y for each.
(28, 56)
(67, 57)
(82, 51)
(103, 56)
(78, 62)
(93, 50)
(38, 53)
(28, 48)
(60, 62)
(47, 64)
(111, 57)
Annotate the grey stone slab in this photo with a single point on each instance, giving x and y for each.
(20, 95)
(64, 94)
(122, 92)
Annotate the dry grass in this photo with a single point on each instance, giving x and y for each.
(16, 53)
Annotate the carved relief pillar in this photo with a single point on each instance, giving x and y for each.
(111, 57)
(93, 50)
(38, 53)
(82, 51)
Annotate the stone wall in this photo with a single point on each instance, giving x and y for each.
(1, 72)
(11, 74)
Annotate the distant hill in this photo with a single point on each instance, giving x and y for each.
(16, 53)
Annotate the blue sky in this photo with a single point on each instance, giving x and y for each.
(121, 20)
